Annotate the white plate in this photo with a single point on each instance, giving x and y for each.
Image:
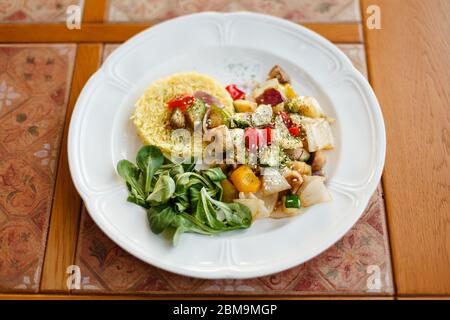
(234, 48)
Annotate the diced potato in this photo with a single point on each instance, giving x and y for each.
(244, 106)
(318, 134)
(306, 106)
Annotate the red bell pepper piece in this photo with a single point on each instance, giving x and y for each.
(294, 131)
(181, 102)
(235, 92)
(286, 119)
(257, 138)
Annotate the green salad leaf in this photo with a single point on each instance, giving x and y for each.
(179, 197)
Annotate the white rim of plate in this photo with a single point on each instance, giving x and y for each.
(226, 272)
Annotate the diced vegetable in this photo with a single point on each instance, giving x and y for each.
(257, 138)
(319, 160)
(298, 154)
(296, 118)
(305, 156)
(306, 106)
(302, 167)
(282, 136)
(292, 201)
(241, 120)
(245, 180)
(235, 93)
(290, 93)
(182, 102)
(221, 137)
(262, 116)
(269, 84)
(195, 113)
(229, 191)
(269, 156)
(270, 97)
(313, 191)
(318, 134)
(278, 73)
(177, 119)
(286, 118)
(244, 106)
(207, 98)
(217, 117)
(256, 207)
(294, 131)
(273, 182)
(281, 107)
(238, 141)
(270, 201)
(287, 210)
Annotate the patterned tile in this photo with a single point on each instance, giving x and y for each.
(295, 10)
(19, 11)
(34, 82)
(342, 269)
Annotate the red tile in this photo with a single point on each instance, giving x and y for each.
(35, 10)
(295, 10)
(31, 122)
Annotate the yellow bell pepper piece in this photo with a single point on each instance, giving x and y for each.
(245, 180)
(290, 92)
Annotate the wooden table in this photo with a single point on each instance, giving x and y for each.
(408, 62)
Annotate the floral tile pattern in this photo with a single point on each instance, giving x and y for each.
(295, 10)
(343, 269)
(13, 11)
(34, 85)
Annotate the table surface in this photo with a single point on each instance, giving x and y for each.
(44, 227)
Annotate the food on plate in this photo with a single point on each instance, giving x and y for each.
(153, 113)
(263, 153)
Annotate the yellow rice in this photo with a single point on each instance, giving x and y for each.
(151, 116)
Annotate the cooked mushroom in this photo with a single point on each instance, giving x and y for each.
(319, 160)
(280, 74)
(177, 119)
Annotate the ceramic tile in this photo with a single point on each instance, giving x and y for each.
(34, 82)
(20, 11)
(295, 10)
(342, 269)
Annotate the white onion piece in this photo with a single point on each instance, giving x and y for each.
(281, 212)
(273, 182)
(205, 121)
(313, 191)
(207, 98)
(270, 201)
(256, 207)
